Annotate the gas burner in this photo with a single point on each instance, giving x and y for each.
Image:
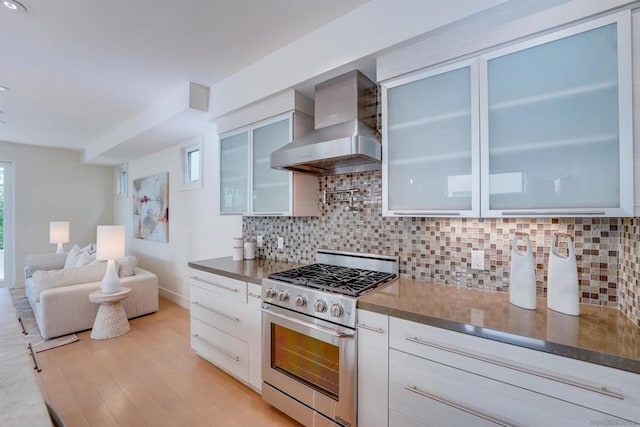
(334, 278)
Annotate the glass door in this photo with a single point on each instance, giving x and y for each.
(6, 224)
(431, 143)
(556, 124)
(309, 360)
(271, 188)
(234, 173)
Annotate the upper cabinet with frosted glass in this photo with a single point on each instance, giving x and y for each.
(249, 186)
(431, 143)
(556, 124)
(234, 170)
(538, 128)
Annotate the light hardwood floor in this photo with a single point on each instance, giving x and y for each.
(148, 377)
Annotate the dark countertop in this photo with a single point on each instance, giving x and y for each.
(248, 270)
(601, 335)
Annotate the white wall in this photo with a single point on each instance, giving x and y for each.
(196, 230)
(53, 185)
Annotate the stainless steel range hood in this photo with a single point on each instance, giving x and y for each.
(344, 139)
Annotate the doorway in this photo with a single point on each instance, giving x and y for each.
(6, 225)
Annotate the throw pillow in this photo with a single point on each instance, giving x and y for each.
(127, 266)
(90, 249)
(72, 257)
(84, 258)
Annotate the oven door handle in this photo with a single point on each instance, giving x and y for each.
(332, 332)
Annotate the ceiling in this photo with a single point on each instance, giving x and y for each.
(78, 69)
(115, 79)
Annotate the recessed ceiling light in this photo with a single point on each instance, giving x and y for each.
(4, 88)
(14, 5)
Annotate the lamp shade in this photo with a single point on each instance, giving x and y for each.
(110, 242)
(58, 232)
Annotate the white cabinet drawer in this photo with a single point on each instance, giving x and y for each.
(231, 288)
(560, 377)
(220, 348)
(210, 308)
(434, 394)
(373, 368)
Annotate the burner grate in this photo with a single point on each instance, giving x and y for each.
(334, 278)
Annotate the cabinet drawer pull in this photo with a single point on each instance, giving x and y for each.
(251, 294)
(574, 213)
(222, 352)
(226, 316)
(427, 213)
(226, 288)
(416, 390)
(370, 328)
(600, 390)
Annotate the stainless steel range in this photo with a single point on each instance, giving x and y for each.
(309, 335)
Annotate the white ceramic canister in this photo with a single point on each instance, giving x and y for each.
(249, 249)
(563, 294)
(237, 253)
(237, 242)
(522, 275)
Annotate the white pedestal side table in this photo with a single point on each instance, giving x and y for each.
(111, 320)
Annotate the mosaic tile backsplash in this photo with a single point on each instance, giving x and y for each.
(439, 249)
(629, 274)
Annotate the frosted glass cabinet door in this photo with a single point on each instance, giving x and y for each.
(431, 146)
(271, 187)
(556, 124)
(234, 159)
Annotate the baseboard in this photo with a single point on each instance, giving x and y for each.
(174, 297)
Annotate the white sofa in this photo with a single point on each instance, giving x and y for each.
(61, 310)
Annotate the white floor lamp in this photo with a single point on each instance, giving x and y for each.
(110, 245)
(59, 234)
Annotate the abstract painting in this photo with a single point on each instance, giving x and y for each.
(151, 208)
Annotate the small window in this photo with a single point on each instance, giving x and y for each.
(192, 165)
(122, 181)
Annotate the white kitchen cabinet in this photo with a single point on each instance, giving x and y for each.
(226, 324)
(556, 123)
(450, 372)
(436, 394)
(254, 319)
(248, 184)
(373, 368)
(431, 143)
(539, 128)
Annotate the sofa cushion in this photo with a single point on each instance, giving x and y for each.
(34, 263)
(92, 272)
(43, 280)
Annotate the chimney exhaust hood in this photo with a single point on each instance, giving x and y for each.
(345, 137)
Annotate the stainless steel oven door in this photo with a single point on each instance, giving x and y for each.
(312, 361)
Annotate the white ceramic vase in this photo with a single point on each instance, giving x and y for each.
(563, 294)
(522, 275)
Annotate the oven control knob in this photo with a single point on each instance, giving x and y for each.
(270, 293)
(337, 310)
(283, 296)
(301, 301)
(320, 306)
